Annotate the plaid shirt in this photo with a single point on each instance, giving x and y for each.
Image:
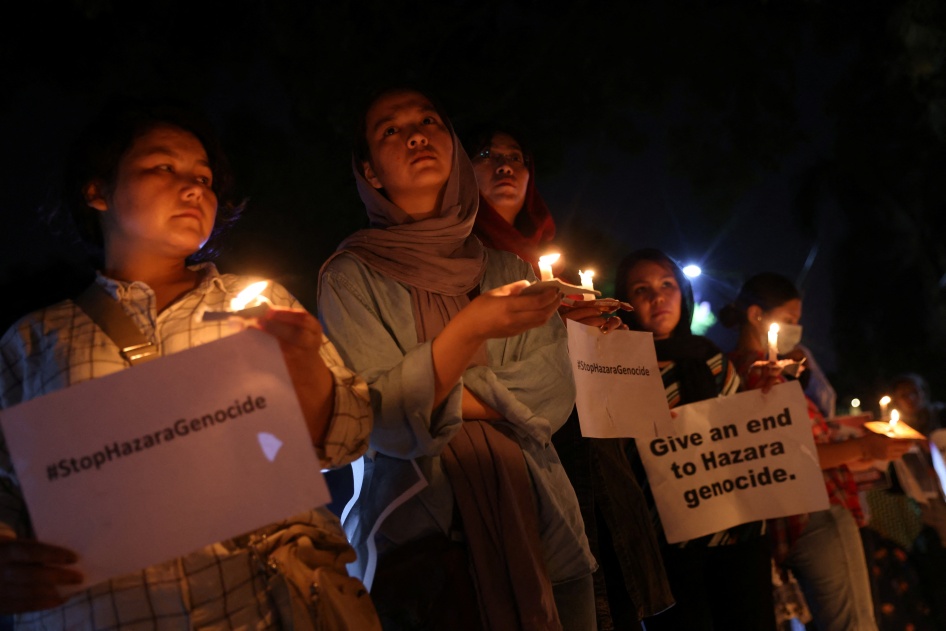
(839, 481)
(224, 585)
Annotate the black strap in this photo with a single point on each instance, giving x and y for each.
(112, 319)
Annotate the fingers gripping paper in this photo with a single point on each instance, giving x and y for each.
(733, 460)
(183, 451)
(620, 392)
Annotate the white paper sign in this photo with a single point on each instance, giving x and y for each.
(620, 392)
(159, 460)
(734, 460)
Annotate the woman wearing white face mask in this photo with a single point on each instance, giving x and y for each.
(823, 549)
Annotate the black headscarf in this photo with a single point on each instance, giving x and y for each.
(689, 352)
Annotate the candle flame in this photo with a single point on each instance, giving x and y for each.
(549, 258)
(884, 400)
(773, 328)
(247, 295)
(586, 278)
(894, 418)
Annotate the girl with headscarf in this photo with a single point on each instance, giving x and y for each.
(512, 215)
(469, 376)
(722, 580)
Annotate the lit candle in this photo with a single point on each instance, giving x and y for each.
(587, 283)
(545, 266)
(238, 306)
(252, 292)
(884, 402)
(894, 428)
(894, 419)
(773, 342)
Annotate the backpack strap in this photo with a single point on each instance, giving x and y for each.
(118, 325)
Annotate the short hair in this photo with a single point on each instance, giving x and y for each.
(97, 153)
(767, 290)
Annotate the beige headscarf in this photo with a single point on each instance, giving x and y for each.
(442, 263)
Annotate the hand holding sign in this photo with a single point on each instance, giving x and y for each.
(30, 574)
(734, 460)
(620, 391)
(132, 462)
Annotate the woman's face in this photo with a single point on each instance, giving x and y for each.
(908, 398)
(502, 175)
(656, 297)
(162, 201)
(787, 313)
(411, 150)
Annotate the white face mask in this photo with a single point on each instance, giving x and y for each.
(789, 336)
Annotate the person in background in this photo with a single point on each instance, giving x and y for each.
(514, 217)
(823, 549)
(147, 187)
(907, 522)
(465, 518)
(910, 395)
(722, 580)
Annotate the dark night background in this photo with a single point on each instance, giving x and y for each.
(804, 137)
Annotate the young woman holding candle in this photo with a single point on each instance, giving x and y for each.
(723, 580)
(146, 187)
(513, 217)
(824, 549)
(469, 377)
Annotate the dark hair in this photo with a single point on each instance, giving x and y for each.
(96, 154)
(686, 289)
(481, 137)
(913, 379)
(360, 149)
(767, 290)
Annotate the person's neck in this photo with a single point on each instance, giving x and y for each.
(749, 340)
(508, 212)
(420, 205)
(168, 278)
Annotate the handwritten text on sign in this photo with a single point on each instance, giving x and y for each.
(734, 460)
(620, 391)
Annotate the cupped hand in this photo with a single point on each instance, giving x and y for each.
(879, 447)
(592, 316)
(30, 571)
(770, 373)
(296, 329)
(504, 311)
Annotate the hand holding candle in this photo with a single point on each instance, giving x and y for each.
(545, 265)
(773, 342)
(238, 306)
(893, 428)
(587, 283)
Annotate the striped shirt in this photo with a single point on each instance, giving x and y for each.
(224, 585)
(727, 383)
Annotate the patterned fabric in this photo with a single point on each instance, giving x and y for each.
(839, 482)
(727, 383)
(224, 585)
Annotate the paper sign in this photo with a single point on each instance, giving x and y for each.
(159, 460)
(734, 460)
(620, 391)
